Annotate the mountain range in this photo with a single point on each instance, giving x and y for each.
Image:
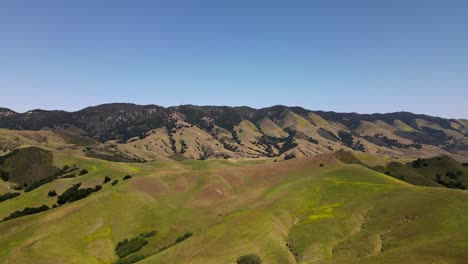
(149, 132)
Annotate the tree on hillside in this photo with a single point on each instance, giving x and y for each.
(249, 259)
(107, 179)
(4, 175)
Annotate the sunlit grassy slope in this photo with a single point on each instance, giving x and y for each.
(286, 212)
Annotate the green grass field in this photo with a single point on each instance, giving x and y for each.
(286, 212)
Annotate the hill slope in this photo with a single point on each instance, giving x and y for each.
(295, 211)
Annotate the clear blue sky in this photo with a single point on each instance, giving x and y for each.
(359, 56)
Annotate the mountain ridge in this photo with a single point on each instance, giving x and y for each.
(224, 131)
(6, 109)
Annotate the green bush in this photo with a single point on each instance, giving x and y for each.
(107, 179)
(27, 211)
(249, 259)
(126, 177)
(4, 175)
(52, 193)
(71, 175)
(126, 247)
(39, 183)
(115, 182)
(74, 193)
(182, 238)
(148, 234)
(130, 259)
(83, 172)
(7, 196)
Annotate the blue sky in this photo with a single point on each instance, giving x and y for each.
(348, 56)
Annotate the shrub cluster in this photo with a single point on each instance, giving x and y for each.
(26, 211)
(453, 183)
(66, 169)
(130, 259)
(74, 193)
(115, 182)
(10, 154)
(419, 163)
(183, 237)
(126, 177)
(7, 196)
(107, 179)
(4, 175)
(148, 234)
(126, 246)
(39, 183)
(178, 240)
(249, 259)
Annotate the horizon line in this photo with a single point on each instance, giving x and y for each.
(235, 106)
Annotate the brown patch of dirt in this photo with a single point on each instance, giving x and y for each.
(150, 186)
(210, 193)
(181, 184)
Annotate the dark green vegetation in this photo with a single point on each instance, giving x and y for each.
(289, 156)
(438, 171)
(26, 211)
(65, 170)
(40, 182)
(4, 175)
(148, 234)
(74, 193)
(178, 240)
(130, 259)
(384, 141)
(107, 179)
(126, 177)
(28, 165)
(183, 237)
(128, 246)
(249, 259)
(8, 155)
(7, 196)
(111, 154)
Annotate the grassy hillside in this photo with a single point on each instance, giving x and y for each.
(308, 210)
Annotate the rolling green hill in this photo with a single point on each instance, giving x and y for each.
(436, 171)
(304, 210)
